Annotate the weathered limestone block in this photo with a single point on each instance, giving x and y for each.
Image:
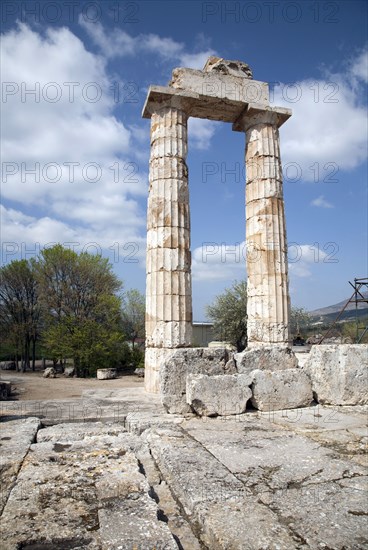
(283, 389)
(169, 307)
(153, 360)
(215, 84)
(218, 395)
(77, 431)
(168, 334)
(16, 438)
(179, 364)
(339, 373)
(128, 517)
(272, 358)
(175, 213)
(50, 372)
(85, 493)
(173, 283)
(168, 259)
(106, 374)
(228, 514)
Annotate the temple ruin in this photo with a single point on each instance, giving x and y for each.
(223, 91)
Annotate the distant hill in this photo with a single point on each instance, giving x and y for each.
(333, 310)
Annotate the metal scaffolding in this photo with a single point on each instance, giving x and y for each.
(360, 295)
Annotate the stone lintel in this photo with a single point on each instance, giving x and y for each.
(194, 104)
(256, 114)
(223, 86)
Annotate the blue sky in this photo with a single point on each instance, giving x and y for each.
(75, 152)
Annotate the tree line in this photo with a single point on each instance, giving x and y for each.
(69, 306)
(228, 312)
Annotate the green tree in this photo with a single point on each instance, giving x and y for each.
(19, 310)
(79, 295)
(300, 321)
(133, 314)
(229, 315)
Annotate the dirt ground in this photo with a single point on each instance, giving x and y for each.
(32, 386)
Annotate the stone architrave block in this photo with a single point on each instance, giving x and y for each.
(227, 87)
(282, 389)
(272, 358)
(218, 395)
(184, 361)
(339, 373)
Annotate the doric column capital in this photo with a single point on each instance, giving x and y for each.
(159, 98)
(254, 115)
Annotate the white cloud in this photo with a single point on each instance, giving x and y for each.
(27, 235)
(327, 132)
(302, 258)
(196, 60)
(359, 67)
(219, 261)
(95, 199)
(119, 43)
(200, 132)
(321, 202)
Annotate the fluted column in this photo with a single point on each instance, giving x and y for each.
(168, 284)
(268, 303)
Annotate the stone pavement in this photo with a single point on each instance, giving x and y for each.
(114, 471)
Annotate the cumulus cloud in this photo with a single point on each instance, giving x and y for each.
(218, 261)
(196, 60)
(63, 150)
(359, 67)
(304, 257)
(119, 43)
(200, 132)
(327, 132)
(25, 236)
(221, 261)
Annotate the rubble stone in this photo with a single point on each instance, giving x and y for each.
(50, 372)
(106, 374)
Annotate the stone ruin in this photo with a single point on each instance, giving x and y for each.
(224, 91)
(206, 381)
(114, 471)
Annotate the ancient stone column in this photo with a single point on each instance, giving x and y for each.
(268, 303)
(168, 285)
